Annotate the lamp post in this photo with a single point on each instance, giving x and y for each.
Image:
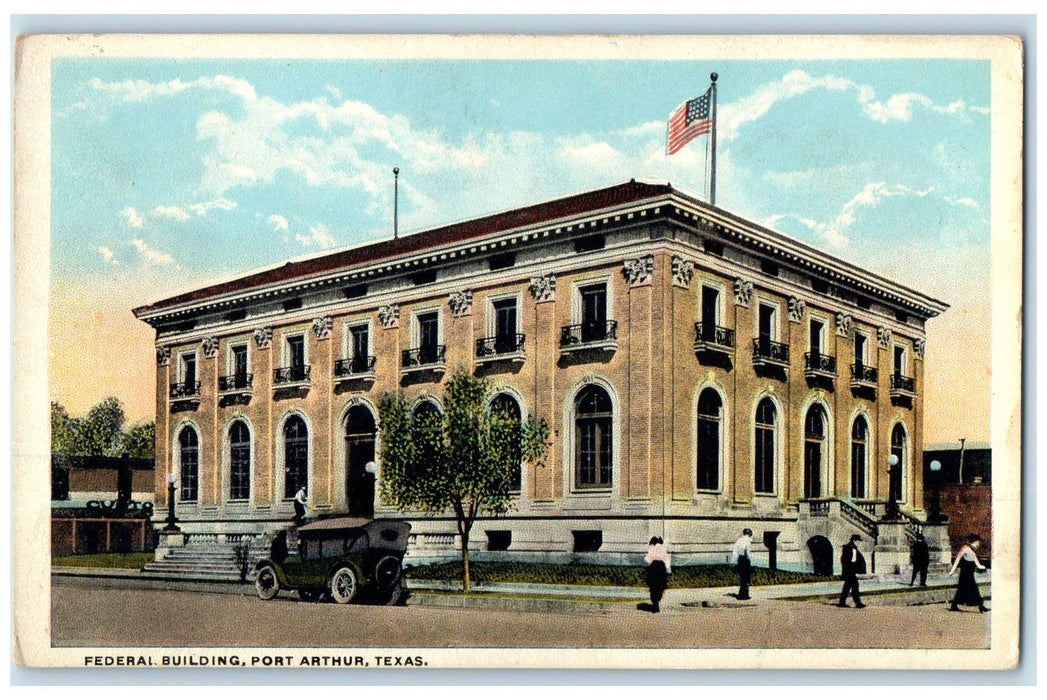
(934, 513)
(892, 501)
(171, 526)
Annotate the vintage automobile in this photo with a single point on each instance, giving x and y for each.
(345, 558)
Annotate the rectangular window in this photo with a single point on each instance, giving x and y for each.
(767, 330)
(899, 361)
(817, 330)
(860, 344)
(189, 370)
(505, 325)
(594, 312)
(428, 336)
(296, 351)
(239, 356)
(764, 460)
(710, 312)
(359, 341)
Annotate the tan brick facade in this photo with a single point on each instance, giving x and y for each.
(653, 263)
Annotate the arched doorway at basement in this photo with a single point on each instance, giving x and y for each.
(821, 555)
(360, 432)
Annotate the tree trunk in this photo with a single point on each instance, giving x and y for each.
(465, 560)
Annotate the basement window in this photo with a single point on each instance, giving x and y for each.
(863, 303)
(714, 248)
(499, 540)
(293, 304)
(769, 267)
(238, 315)
(820, 286)
(901, 316)
(587, 540)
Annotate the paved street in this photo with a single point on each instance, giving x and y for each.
(88, 612)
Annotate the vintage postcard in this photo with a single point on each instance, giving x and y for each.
(518, 352)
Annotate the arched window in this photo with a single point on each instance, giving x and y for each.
(766, 425)
(710, 410)
(239, 461)
(813, 452)
(426, 431)
(189, 458)
(360, 434)
(296, 456)
(507, 404)
(859, 454)
(593, 420)
(898, 440)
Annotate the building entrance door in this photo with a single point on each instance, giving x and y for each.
(359, 450)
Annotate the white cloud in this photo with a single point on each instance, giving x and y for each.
(151, 254)
(142, 90)
(834, 232)
(131, 217)
(899, 107)
(107, 253)
(319, 237)
(279, 223)
(171, 212)
(963, 201)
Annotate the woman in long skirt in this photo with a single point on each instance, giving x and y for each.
(967, 562)
(658, 568)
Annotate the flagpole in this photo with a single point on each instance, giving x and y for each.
(712, 166)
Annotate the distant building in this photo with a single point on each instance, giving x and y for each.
(965, 481)
(701, 373)
(101, 504)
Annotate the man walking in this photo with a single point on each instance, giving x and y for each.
(742, 562)
(920, 556)
(852, 563)
(299, 506)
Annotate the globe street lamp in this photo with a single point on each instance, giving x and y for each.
(171, 526)
(892, 500)
(934, 513)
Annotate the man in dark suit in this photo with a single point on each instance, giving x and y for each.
(852, 563)
(920, 556)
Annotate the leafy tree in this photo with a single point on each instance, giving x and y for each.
(140, 441)
(463, 460)
(101, 431)
(64, 432)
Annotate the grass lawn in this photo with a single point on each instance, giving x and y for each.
(129, 560)
(710, 576)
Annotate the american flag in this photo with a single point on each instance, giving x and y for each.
(689, 120)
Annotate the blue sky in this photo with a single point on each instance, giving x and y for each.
(168, 174)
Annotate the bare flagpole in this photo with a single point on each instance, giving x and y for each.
(396, 192)
(712, 167)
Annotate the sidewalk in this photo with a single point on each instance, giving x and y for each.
(531, 597)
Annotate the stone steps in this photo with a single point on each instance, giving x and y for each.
(208, 562)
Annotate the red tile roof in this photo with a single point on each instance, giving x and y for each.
(455, 233)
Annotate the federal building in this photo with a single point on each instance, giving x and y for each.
(701, 374)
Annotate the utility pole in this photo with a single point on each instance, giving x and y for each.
(396, 193)
(962, 441)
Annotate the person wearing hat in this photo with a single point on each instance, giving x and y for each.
(852, 563)
(742, 562)
(920, 556)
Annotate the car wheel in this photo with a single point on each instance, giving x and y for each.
(309, 595)
(397, 596)
(343, 585)
(266, 583)
(387, 572)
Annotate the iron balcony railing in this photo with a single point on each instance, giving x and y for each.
(363, 364)
(901, 383)
(500, 345)
(817, 362)
(864, 374)
(423, 356)
(768, 350)
(185, 390)
(235, 382)
(586, 333)
(709, 334)
(291, 375)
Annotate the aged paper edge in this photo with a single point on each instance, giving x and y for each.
(30, 529)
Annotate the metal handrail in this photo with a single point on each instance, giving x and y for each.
(816, 361)
(361, 364)
(588, 333)
(185, 390)
(234, 382)
(500, 345)
(718, 335)
(770, 350)
(294, 373)
(423, 356)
